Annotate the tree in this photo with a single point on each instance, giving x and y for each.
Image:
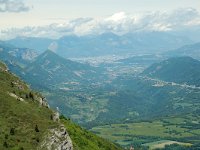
(12, 131)
(12, 84)
(36, 128)
(26, 96)
(5, 144)
(6, 136)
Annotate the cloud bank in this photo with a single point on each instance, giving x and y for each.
(14, 6)
(119, 23)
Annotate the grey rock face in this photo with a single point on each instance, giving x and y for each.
(42, 102)
(56, 116)
(57, 139)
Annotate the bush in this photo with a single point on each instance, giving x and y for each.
(6, 136)
(12, 131)
(5, 144)
(31, 95)
(36, 129)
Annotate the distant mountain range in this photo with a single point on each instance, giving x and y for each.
(12, 53)
(47, 67)
(192, 50)
(93, 95)
(38, 44)
(104, 44)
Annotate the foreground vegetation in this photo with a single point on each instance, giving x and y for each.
(24, 123)
(85, 140)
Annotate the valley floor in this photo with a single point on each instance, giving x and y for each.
(183, 130)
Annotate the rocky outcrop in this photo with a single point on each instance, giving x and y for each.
(42, 101)
(56, 116)
(16, 97)
(57, 139)
(17, 84)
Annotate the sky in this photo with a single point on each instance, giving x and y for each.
(41, 13)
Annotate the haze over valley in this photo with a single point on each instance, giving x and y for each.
(95, 80)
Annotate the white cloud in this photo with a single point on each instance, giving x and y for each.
(161, 27)
(13, 6)
(119, 23)
(117, 17)
(194, 22)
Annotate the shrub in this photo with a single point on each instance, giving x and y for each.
(36, 128)
(5, 144)
(12, 131)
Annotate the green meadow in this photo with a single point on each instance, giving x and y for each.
(183, 130)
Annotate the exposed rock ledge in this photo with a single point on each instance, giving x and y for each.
(57, 139)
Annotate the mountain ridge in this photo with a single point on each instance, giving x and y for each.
(192, 50)
(178, 69)
(104, 44)
(53, 69)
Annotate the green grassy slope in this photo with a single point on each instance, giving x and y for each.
(19, 118)
(85, 140)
